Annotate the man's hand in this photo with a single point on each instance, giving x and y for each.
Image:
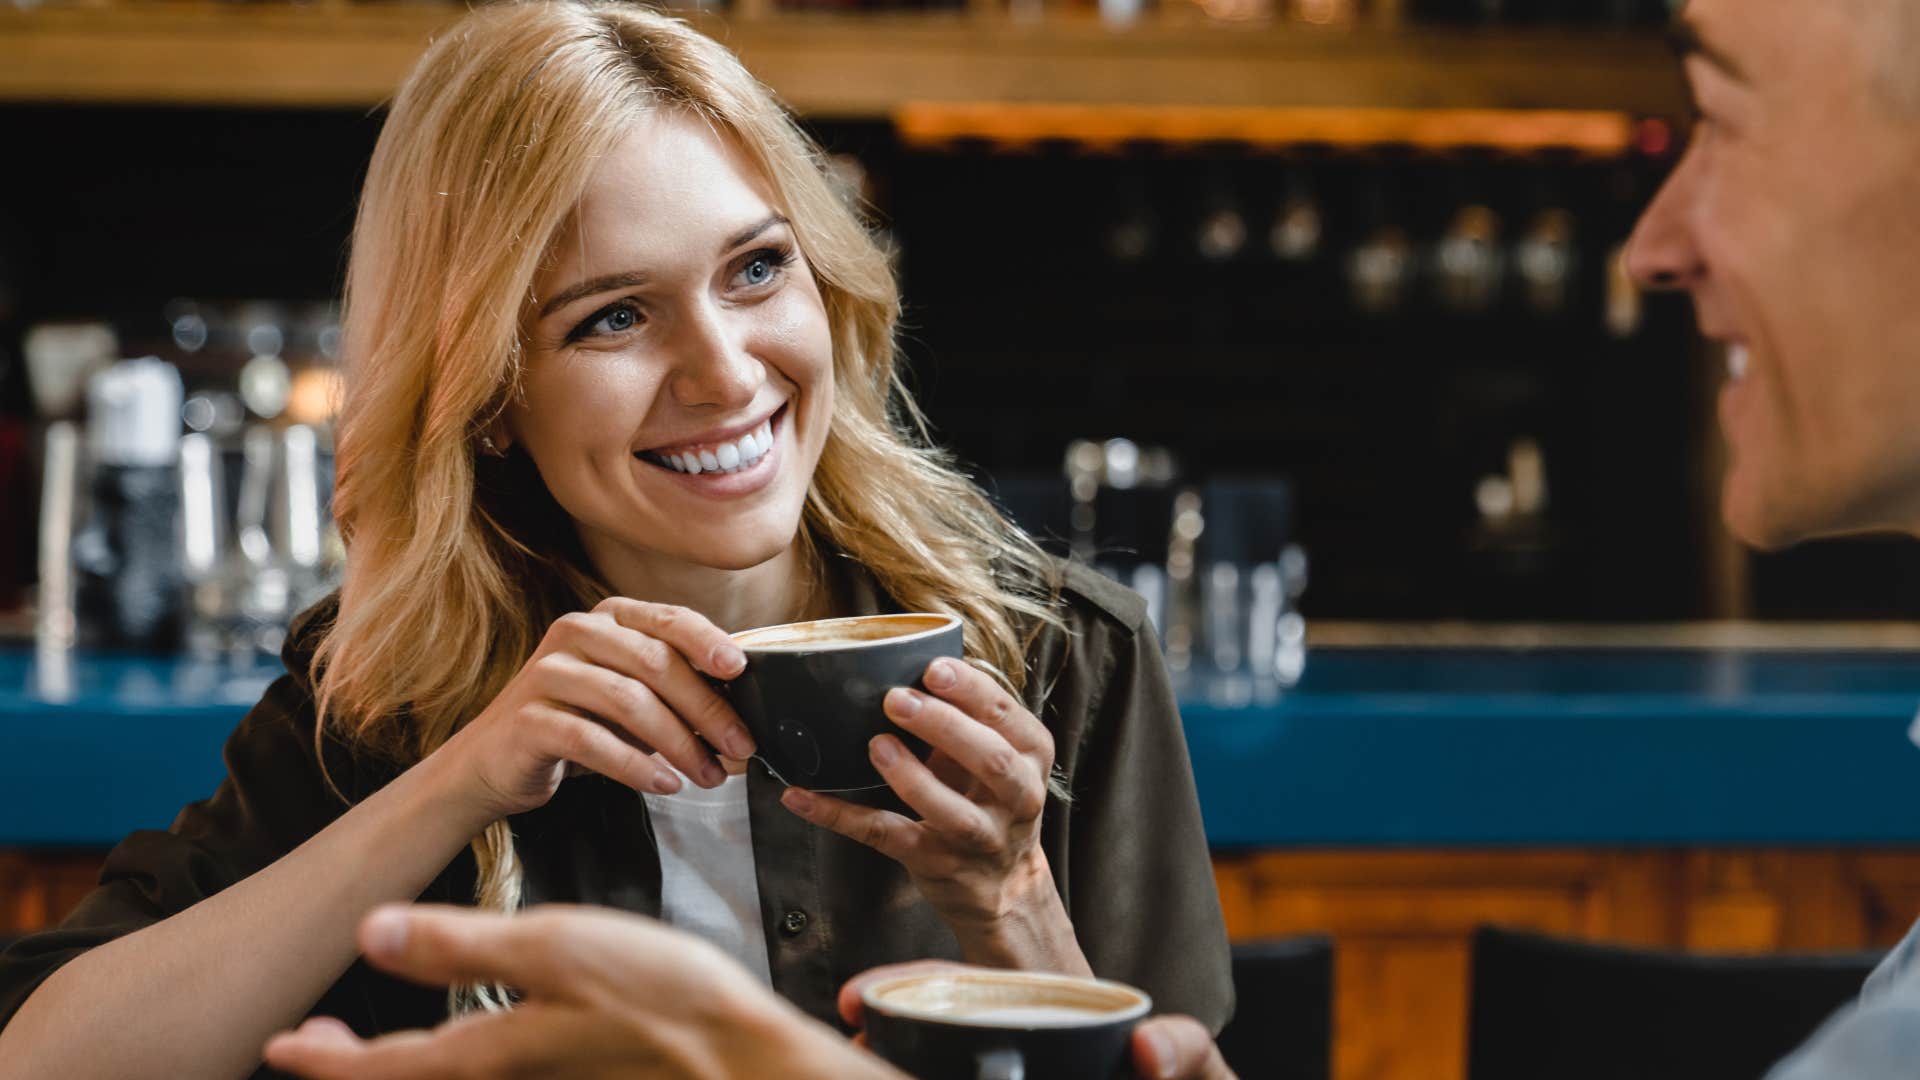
(1164, 1047)
(605, 994)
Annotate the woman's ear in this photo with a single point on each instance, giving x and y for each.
(496, 440)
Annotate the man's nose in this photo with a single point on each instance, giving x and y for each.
(1661, 253)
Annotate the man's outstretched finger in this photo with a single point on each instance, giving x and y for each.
(1177, 1048)
(532, 1040)
(440, 945)
(326, 1049)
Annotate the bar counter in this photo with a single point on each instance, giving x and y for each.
(1390, 747)
(1742, 797)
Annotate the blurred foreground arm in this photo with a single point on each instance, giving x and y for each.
(607, 994)
(604, 994)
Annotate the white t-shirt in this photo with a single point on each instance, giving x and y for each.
(707, 883)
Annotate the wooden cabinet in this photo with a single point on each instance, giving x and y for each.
(1402, 922)
(334, 54)
(37, 890)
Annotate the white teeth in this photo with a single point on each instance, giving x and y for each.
(727, 457)
(1737, 360)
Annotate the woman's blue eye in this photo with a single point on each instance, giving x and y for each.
(762, 268)
(613, 320)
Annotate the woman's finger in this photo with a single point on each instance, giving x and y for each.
(690, 633)
(633, 706)
(664, 669)
(1014, 778)
(977, 694)
(586, 742)
(940, 807)
(882, 830)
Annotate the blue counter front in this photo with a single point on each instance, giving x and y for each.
(1375, 747)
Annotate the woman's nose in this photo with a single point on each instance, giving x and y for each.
(713, 366)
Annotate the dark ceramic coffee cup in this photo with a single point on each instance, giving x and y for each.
(812, 692)
(1004, 1025)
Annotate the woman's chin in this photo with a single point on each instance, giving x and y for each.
(735, 552)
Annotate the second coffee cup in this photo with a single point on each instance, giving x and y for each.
(813, 692)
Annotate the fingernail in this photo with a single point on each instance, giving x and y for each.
(713, 774)
(940, 674)
(384, 933)
(1160, 1049)
(884, 750)
(797, 801)
(665, 782)
(728, 661)
(903, 702)
(739, 743)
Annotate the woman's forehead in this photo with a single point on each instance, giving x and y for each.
(671, 188)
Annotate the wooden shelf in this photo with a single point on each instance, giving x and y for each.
(849, 66)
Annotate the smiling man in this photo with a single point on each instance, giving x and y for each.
(1794, 223)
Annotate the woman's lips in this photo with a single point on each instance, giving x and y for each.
(722, 480)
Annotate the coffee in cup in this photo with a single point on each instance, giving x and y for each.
(994, 1025)
(812, 692)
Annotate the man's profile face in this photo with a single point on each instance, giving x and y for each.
(1793, 220)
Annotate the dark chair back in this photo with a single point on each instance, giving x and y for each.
(1282, 1027)
(1544, 1006)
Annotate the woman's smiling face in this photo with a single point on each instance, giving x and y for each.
(678, 383)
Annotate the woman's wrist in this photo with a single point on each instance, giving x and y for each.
(1030, 929)
(446, 793)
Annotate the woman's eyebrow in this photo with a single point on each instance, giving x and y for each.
(626, 279)
(748, 234)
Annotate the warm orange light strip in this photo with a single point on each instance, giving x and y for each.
(1598, 133)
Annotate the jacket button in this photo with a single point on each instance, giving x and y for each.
(795, 922)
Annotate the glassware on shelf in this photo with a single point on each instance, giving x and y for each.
(1546, 261)
(1298, 226)
(1380, 271)
(1468, 262)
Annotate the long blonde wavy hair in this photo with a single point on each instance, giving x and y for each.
(454, 566)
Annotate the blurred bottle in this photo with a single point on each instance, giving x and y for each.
(1469, 263)
(1380, 271)
(1380, 268)
(1299, 225)
(1546, 261)
(1132, 231)
(1222, 232)
(60, 358)
(127, 555)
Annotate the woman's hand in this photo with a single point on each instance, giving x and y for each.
(606, 690)
(607, 994)
(975, 852)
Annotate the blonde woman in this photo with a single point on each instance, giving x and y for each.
(621, 381)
